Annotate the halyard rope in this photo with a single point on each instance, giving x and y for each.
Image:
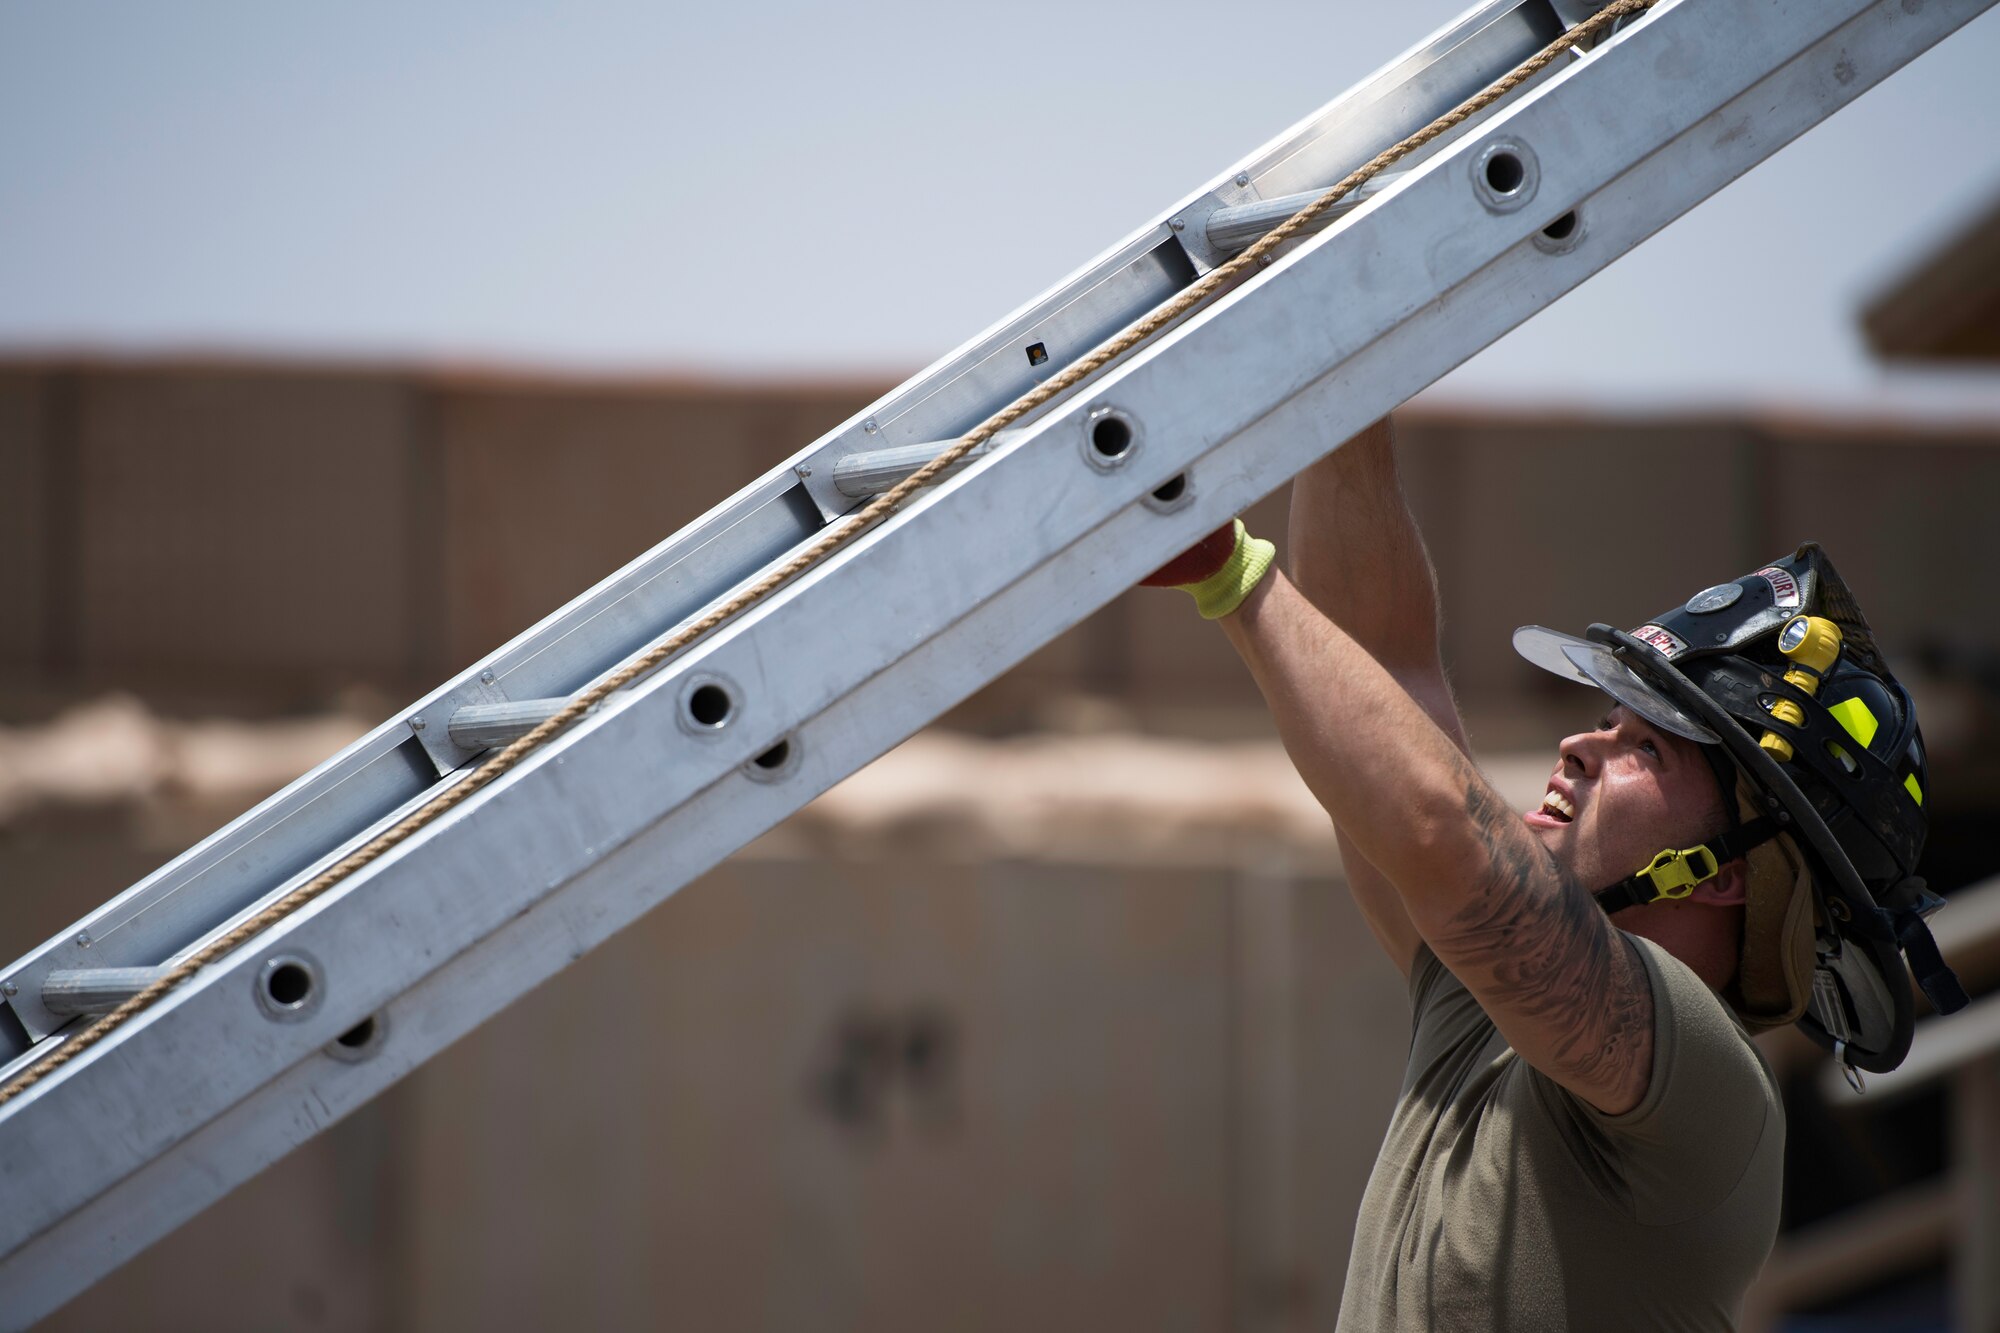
(880, 508)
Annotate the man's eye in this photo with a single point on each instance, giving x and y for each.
(1650, 748)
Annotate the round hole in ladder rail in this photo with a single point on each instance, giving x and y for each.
(1110, 439)
(288, 986)
(709, 705)
(362, 1040)
(777, 763)
(1176, 493)
(1110, 436)
(1505, 175)
(1562, 235)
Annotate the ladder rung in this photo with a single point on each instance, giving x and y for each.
(859, 476)
(1235, 228)
(478, 727)
(95, 990)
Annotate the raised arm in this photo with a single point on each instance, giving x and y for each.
(1357, 556)
(1374, 733)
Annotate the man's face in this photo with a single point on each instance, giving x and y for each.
(1623, 793)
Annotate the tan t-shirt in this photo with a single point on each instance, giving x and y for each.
(1501, 1201)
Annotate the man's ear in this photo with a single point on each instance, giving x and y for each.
(1730, 888)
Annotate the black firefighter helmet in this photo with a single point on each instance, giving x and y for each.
(1779, 672)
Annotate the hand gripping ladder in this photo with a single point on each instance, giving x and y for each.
(110, 1137)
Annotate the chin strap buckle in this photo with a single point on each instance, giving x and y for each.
(1674, 874)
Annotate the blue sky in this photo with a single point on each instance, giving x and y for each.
(826, 189)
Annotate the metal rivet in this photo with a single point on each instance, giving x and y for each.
(870, 426)
(1178, 224)
(804, 469)
(9, 989)
(416, 724)
(1242, 178)
(84, 939)
(486, 677)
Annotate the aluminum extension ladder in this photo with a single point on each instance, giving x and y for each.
(1418, 270)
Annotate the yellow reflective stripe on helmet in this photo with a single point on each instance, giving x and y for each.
(1915, 790)
(1854, 715)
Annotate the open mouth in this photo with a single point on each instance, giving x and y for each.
(1556, 806)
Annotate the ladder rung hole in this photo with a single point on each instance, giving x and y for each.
(289, 985)
(1037, 354)
(1562, 228)
(775, 757)
(709, 705)
(361, 1042)
(1505, 173)
(1173, 490)
(1111, 436)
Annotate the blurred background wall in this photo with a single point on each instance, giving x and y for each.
(1057, 1017)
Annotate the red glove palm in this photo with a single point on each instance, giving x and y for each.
(1200, 561)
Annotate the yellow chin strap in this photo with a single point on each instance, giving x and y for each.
(1673, 874)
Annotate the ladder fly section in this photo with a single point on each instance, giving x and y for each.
(310, 823)
(1464, 240)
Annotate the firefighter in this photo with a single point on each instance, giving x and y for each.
(1586, 1137)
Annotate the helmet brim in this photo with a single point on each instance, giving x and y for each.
(1589, 663)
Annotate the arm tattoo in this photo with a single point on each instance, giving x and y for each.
(1546, 956)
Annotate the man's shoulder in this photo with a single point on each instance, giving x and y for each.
(1710, 1130)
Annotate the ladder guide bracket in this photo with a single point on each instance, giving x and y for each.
(436, 727)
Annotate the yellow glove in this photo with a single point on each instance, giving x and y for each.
(1218, 571)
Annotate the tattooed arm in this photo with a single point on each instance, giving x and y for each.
(1560, 982)
(1358, 558)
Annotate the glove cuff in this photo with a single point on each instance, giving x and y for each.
(1224, 590)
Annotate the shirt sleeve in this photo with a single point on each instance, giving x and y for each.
(1710, 1102)
(1447, 1025)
